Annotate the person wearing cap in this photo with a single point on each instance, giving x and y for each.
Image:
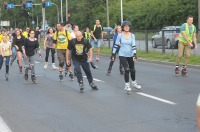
(127, 54)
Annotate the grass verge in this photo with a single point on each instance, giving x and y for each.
(157, 56)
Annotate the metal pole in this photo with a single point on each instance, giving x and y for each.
(107, 10)
(43, 18)
(61, 12)
(163, 42)
(199, 18)
(146, 40)
(66, 10)
(57, 11)
(121, 12)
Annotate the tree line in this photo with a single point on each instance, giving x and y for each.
(143, 14)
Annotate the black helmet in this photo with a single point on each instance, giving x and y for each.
(126, 23)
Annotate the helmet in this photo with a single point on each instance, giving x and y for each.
(126, 23)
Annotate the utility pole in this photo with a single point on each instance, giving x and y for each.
(107, 10)
(121, 12)
(66, 10)
(43, 16)
(198, 18)
(61, 11)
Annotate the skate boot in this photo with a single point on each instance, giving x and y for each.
(54, 66)
(136, 85)
(61, 76)
(26, 78)
(71, 76)
(45, 65)
(177, 71)
(97, 59)
(20, 69)
(33, 78)
(109, 71)
(184, 71)
(81, 86)
(66, 71)
(93, 86)
(6, 76)
(127, 88)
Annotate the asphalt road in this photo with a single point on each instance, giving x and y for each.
(166, 103)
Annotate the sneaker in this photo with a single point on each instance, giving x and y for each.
(54, 66)
(127, 87)
(93, 86)
(136, 85)
(45, 65)
(108, 73)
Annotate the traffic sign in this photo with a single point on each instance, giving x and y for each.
(10, 6)
(29, 5)
(48, 4)
(33, 22)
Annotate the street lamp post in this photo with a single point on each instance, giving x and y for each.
(66, 10)
(121, 12)
(61, 11)
(107, 10)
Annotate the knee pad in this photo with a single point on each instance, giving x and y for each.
(61, 63)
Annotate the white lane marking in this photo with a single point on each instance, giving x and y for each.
(156, 98)
(95, 79)
(37, 62)
(3, 126)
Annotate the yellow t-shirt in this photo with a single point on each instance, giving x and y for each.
(25, 34)
(5, 48)
(62, 39)
(1, 38)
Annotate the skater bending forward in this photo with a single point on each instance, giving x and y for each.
(81, 52)
(127, 54)
(30, 45)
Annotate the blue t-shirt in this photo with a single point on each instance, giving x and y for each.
(128, 48)
(183, 28)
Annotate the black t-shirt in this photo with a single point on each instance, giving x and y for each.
(30, 46)
(19, 42)
(97, 32)
(79, 49)
(37, 34)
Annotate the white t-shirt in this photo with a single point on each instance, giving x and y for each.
(198, 101)
(73, 35)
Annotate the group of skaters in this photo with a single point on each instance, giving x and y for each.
(75, 47)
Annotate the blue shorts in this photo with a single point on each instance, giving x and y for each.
(96, 44)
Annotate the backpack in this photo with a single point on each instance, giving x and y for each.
(95, 26)
(57, 34)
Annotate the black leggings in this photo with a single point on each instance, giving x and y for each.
(52, 54)
(129, 67)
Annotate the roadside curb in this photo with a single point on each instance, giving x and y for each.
(197, 67)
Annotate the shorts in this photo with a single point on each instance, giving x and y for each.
(96, 44)
(61, 53)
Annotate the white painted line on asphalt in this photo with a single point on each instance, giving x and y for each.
(37, 62)
(95, 79)
(3, 126)
(156, 98)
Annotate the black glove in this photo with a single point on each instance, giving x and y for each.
(93, 65)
